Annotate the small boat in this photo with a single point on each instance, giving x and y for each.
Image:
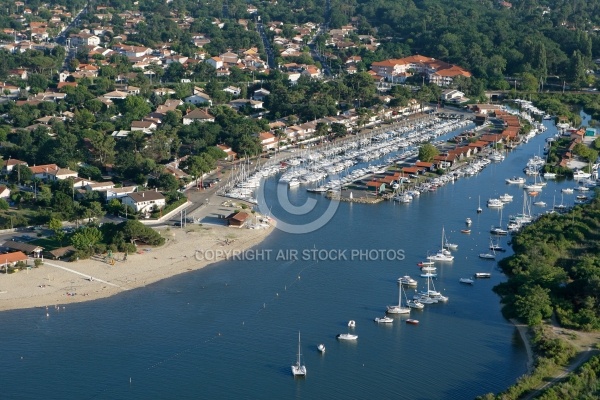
(346, 336)
(468, 281)
(515, 181)
(468, 221)
(467, 231)
(429, 268)
(298, 369)
(540, 203)
(533, 193)
(506, 198)
(384, 320)
(428, 275)
(549, 175)
(483, 275)
(321, 348)
(351, 323)
(487, 256)
(415, 304)
(479, 209)
(582, 197)
(407, 280)
(498, 231)
(425, 263)
(567, 190)
(412, 321)
(495, 203)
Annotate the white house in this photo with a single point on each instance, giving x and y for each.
(260, 94)
(117, 193)
(145, 202)
(52, 172)
(4, 192)
(239, 103)
(268, 141)
(216, 62)
(235, 91)
(146, 126)
(197, 115)
(199, 98)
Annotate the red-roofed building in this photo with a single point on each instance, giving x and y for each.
(10, 259)
(237, 220)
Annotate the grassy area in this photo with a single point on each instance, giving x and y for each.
(49, 244)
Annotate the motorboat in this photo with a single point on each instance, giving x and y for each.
(407, 280)
(495, 203)
(468, 281)
(579, 174)
(321, 348)
(540, 203)
(549, 175)
(415, 304)
(346, 336)
(428, 275)
(412, 321)
(425, 263)
(384, 320)
(351, 323)
(516, 180)
(498, 231)
(506, 198)
(483, 275)
(567, 190)
(468, 221)
(581, 197)
(487, 256)
(467, 231)
(428, 268)
(298, 369)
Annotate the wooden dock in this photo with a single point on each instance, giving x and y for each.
(358, 199)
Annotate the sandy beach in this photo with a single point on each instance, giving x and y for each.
(187, 249)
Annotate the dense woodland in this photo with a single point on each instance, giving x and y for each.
(556, 269)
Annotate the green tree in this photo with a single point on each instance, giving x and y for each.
(55, 225)
(427, 152)
(86, 238)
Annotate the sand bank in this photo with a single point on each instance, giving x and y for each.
(186, 249)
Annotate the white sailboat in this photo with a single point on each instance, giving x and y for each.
(442, 254)
(298, 369)
(497, 230)
(479, 209)
(399, 309)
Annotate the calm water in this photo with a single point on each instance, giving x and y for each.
(230, 330)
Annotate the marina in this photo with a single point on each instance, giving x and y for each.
(238, 310)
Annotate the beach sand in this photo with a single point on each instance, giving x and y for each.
(61, 283)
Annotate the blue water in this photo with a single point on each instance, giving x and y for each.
(230, 330)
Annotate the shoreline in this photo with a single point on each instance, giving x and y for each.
(524, 333)
(61, 283)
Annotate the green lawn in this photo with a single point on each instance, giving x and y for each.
(49, 243)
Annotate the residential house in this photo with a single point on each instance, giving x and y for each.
(4, 192)
(235, 91)
(239, 103)
(230, 154)
(146, 201)
(199, 98)
(145, 126)
(198, 115)
(9, 164)
(268, 141)
(216, 62)
(52, 172)
(260, 94)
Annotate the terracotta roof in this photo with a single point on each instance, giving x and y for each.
(10, 258)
